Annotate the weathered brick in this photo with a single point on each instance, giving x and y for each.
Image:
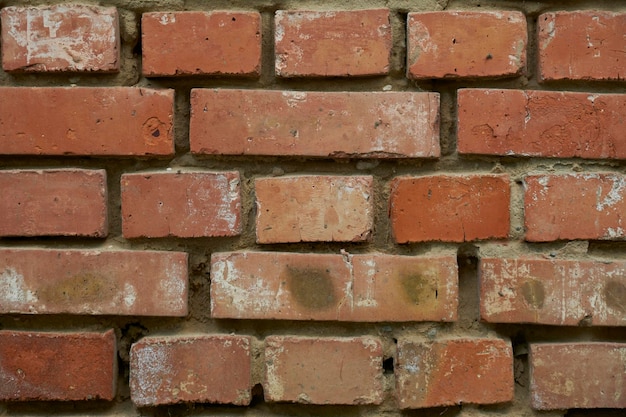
(312, 208)
(323, 370)
(354, 288)
(183, 204)
(450, 208)
(332, 43)
(322, 124)
(203, 369)
(553, 291)
(574, 206)
(577, 375)
(48, 281)
(57, 366)
(86, 121)
(581, 45)
(450, 372)
(54, 202)
(201, 43)
(466, 44)
(74, 37)
(541, 123)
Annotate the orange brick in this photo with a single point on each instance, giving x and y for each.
(466, 44)
(577, 375)
(57, 366)
(354, 288)
(322, 124)
(137, 283)
(450, 372)
(312, 208)
(541, 123)
(450, 208)
(553, 291)
(184, 204)
(323, 370)
(582, 45)
(195, 43)
(74, 37)
(86, 121)
(574, 206)
(55, 202)
(332, 43)
(202, 369)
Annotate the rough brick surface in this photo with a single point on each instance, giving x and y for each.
(360, 288)
(57, 366)
(72, 38)
(324, 124)
(55, 202)
(323, 370)
(541, 123)
(575, 206)
(332, 43)
(184, 204)
(582, 45)
(47, 281)
(550, 291)
(313, 208)
(466, 44)
(449, 372)
(209, 43)
(203, 369)
(578, 375)
(86, 121)
(450, 208)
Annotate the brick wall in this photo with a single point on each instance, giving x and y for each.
(398, 208)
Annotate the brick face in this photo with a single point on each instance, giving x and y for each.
(322, 124)
(59, 202)
(74, 38)
(541, 123)
(581, 45)
(57, 366)
(206, 369)
(323, 370)
(466, 44)
(201, 43)
(139, 283)
(577, 375)
(332, 43)
(368, 288)
(86, 121)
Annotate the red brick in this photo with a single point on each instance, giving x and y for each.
(314, 208)
(582, 45)
(466, 44)
(450, 208)
(57, 366)
(450, 372)
(553, 291)
(574, 206)
(183, 204)
(55, 202)
(203, 369)
(138, 283)
(201, 43)
(353, 288)
(323, 370)
(541, 123)
(332, 43)
(76, 38)
(322, 124)
(86, 121)
(577, 375)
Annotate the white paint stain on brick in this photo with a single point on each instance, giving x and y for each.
(153, 370)
(615, 194)
(14, 291)
(130, 295)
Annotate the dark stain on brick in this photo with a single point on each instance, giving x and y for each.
(534, 293)
(312, 288)
(615, 295)
(418, 287)
(81, 288)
